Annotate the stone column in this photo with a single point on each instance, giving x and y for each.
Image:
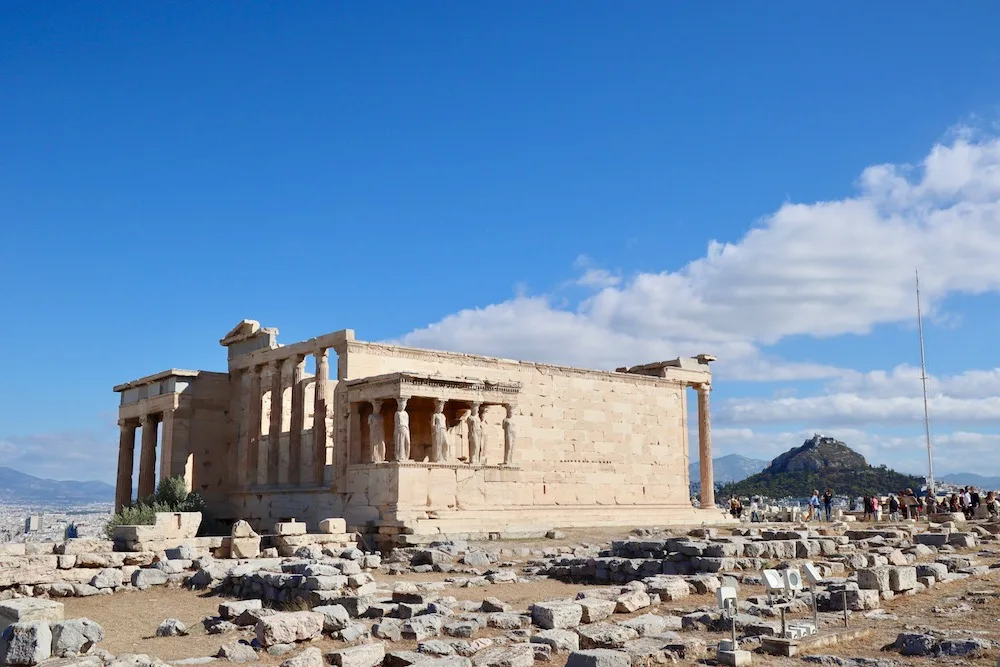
(321, 432)
(147, 457)
(705, 447)
(126, 460)
(248, 468)
(298, 419)
(239, 463)
(285, 421)
(274, 427)
(167, 445)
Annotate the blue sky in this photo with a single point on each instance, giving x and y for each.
(540, 180)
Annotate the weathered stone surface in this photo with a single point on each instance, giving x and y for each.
(423, 627)
(109, 577)
(605, 635)
(939, 571)
(599, 657)
(517, 655)
(146, 577)
(333, 526)
(632, 601)
(902, 578)
(232, 609)
(915, 644)
(75, 637)
(931, 539)
(648, 624)
(595, 609)
(217, 626)
(311, 657)
(335, 617)
(668, 588)
(25, 610)
(505, 621)
(463, 629)
(26, 643)
(289, 627)
(560, 640)
(364, 655)
(874, 578)
(245, 547)
(970, 647)
(492, 604)
(171, 627)
(237, 652)
(555, 615)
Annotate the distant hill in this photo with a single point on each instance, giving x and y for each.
(19, 487)
(729, 468)
(820, 463)
(971, 479)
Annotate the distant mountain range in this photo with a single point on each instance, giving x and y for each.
(729, 468)
(971, 479)
(19, 487)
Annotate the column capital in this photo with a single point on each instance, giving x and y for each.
(703, 386)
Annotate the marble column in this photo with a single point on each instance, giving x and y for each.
(147, 457)
(298, 419)
(321, 431)
(167, 446)
(274, 426)
(705, 447)
(285, 422)
(126, 460)
(239, 462)
(248, 468)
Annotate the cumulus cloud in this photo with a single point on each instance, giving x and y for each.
(822, 269)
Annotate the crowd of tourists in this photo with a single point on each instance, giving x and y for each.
(894, 507)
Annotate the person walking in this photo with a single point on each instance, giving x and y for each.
(814, 506)
(893, 508)
(877, 508)
(828, 503)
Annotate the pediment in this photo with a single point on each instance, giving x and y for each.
(242, 331)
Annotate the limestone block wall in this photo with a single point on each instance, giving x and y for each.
(585, 439)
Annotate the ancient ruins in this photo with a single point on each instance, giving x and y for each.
(398, 440)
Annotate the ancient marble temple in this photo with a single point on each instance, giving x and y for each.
(404, 440)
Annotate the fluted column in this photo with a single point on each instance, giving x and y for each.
(705, 447)
(253, 398)
(147, 457)
(126, 460)
(320, 425)
(298, 420)
(285, 421)
(239, 464)
(274, 425)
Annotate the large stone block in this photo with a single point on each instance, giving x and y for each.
(75, 637)
(902, 578)
(939, 571)
(516, 655)
(26, 643)
(363, 655)
(331, 526)
(283, 528)
(290, 627)
(25, 610)
(559, 614)
(931, 539)
(232, 609)
(605, 635)
(595, 609)
(599, 657)
(874, 578)
(559, 640)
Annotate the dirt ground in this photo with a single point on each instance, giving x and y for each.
(130, 619)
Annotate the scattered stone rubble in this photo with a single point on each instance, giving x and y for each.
(307, 587)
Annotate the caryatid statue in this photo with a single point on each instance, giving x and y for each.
(402, 434)
(509, 436)
(439, 433)
(376, 433)
(475, 434)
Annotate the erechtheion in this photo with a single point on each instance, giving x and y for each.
(398, 440)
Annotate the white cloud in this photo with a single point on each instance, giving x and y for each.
(598, 278)
(821, 269)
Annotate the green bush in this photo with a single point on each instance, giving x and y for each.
(171, 496)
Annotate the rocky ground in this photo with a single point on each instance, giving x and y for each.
(925, 599)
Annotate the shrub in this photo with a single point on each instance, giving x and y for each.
(171, 496)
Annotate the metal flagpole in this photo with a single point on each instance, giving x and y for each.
(923, 380)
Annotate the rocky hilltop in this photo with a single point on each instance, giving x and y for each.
(819, 463)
